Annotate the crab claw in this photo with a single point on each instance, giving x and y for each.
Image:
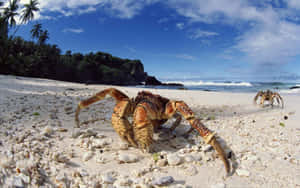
(210, 138)
(216, 145)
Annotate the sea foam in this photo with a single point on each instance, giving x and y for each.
(291, 91)
(210, 83)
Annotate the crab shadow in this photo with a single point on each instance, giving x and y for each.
(270, 106)
(166, 140)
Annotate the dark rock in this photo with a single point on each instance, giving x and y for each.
(151, 80)
(172, 84)
(295, 87)
(137, 71)
(70, 89)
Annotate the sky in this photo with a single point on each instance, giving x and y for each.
(182, 39)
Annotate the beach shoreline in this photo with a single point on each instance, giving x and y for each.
(37, 129)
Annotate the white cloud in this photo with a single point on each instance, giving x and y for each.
(271, 45)
(117, 8)
(125, 8)
(223, 11)
(71, 4)
(87, 10)
(271, 39)
(73, 30)
(180, 25)
(293, 3)
(201, 34)
(185, 56)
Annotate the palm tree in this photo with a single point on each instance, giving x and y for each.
(36, 30)
(28, 11)
(44, 35)
(3, 23)
(10, 12)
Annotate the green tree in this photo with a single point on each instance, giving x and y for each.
(36, 31)
(10, 12)
(44, 36)
(69, 53)
(28, 11)
(3, 23)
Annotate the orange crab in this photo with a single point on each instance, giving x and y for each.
(149, 112)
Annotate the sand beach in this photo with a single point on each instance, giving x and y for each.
(40, 146)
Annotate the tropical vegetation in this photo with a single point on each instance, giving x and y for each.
(37, 58)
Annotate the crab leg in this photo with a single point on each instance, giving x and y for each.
(176, 123)
(121, 124)
(119, 117)
(143, 126)
(279, 99)
(116, 94)
(208, 136)
(259, 94)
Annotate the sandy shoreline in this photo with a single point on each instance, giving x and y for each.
(39, 144)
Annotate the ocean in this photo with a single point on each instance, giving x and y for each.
(233, 86)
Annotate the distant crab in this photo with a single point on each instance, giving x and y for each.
(149, 112)
(268, 96)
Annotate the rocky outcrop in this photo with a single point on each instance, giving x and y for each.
(151, 80)
(121, 72)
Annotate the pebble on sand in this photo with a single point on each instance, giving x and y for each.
(242, 172)
(173, 159)
(218, 185)
(127, 158)
(87, 156)
(163, 181)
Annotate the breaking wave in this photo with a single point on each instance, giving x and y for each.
(210, 83)
(290, 91)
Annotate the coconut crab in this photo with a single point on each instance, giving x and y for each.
(149, 112)
(268, 96)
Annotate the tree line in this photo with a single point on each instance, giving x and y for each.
(37, 58)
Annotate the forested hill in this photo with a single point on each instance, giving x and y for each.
(36, 58)
(27, 58)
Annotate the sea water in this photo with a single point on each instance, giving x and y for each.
(233, 86)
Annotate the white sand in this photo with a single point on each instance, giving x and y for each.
(33, 112)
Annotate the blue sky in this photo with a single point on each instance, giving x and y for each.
(205, 39)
